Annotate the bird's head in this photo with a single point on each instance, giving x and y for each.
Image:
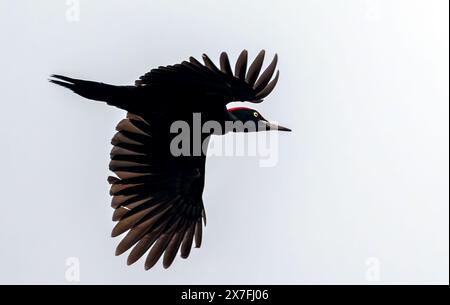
(246, 119)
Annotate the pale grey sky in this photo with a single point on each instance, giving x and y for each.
(364, 86)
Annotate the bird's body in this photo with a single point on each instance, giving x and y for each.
(157, 194)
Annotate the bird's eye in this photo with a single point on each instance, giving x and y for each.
(255, 114)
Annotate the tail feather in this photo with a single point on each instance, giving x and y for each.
(88, 89)
(64, 84)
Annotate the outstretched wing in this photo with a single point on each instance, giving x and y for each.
(157, 197)
(195, 81)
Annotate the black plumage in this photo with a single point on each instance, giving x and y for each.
(157, 196)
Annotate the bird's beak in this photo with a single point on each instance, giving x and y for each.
(273, 126)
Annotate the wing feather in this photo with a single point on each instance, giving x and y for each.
(156, 197)
(255, 68)
(206, 82)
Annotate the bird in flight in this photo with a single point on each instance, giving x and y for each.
(157, 196)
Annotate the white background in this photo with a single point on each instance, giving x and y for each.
(364, 174)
